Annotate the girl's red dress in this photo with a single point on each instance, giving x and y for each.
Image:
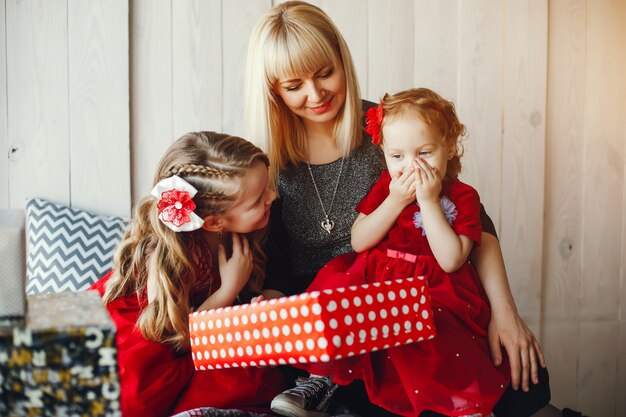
(157, 381)
(451, 374)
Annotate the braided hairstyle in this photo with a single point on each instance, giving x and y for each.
(214, 164)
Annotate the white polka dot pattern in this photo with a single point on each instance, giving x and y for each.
(313, 327)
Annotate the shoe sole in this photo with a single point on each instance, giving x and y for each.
(290, 410)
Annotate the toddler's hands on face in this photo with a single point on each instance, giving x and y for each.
(235, 272)
(402, 188)
(427, 182)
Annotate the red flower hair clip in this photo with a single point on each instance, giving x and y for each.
(176, 206)
(374, 121)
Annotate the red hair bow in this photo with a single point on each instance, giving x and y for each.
(175, 207)
(175, 204)
(373, 122)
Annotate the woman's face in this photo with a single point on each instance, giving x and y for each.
(316, 97)
(252, 209)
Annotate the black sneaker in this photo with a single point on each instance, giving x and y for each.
(567, 412)
(309, 398)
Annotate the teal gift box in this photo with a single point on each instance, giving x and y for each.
(61, 360)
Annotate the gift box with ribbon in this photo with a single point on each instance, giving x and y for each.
(319, 326)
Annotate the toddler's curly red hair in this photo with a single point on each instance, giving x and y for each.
(435, 111)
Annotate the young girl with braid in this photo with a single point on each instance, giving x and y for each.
(194, 243)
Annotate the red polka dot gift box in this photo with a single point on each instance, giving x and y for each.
(319, 326)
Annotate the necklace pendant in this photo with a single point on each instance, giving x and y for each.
(328, 225)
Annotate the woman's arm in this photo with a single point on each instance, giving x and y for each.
(506, 329)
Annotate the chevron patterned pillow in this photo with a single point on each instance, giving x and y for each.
(68, 248)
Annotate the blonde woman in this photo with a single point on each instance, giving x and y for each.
(194, 243)
(304, 109)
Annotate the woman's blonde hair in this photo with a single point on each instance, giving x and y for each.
(291, 39)
(214, 164)
(435, 111)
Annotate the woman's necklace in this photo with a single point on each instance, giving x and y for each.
(327, 224)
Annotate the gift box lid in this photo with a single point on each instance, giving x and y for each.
(67, 309)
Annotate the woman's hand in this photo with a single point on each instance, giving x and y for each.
(427, 182)
(270, 294)
(235, 272)
(257, 299)
(402, 188)
(508, 330)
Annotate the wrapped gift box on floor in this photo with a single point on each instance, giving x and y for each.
(62, 360)
(12, 264)
(313, 327)
(6, 351)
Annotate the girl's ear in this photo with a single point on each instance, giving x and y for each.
(451, 152)
(213, 223)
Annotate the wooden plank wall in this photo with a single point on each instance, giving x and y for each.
(66, 104)
(603, 173)
(99, 105)
(187, 73)
(480, 96)
(4, 132)
(37, 98)
(94, 90)
(150, 88)
(564, 180)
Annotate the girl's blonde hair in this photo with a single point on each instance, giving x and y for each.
(214, 164)
(291, 39)
(435, 111)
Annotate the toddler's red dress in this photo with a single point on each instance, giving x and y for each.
(451, 374)
(157, 381)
